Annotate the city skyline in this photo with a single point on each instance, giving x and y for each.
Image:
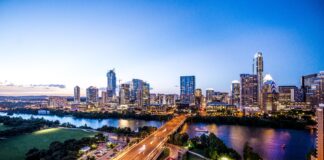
(67, 43)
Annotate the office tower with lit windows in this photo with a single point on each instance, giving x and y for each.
(249, 90)
(198, 98)
(209, 94)
(258, 60)
(140, 92)
(235, 93)
(111, 83)
(288, 94)
(104, 97)
(269, 95)
(320, 132)
(77, 94)
(187, 89)
(313, 88)
(124, 93)
(92, 94)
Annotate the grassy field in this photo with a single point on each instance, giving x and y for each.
(3, 127)
(16, 147)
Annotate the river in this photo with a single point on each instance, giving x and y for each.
(265, 141)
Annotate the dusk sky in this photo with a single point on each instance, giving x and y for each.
(76, 42)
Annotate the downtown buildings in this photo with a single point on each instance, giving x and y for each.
(111, 83)
(320, 132)
(77, 98)
(187, 89)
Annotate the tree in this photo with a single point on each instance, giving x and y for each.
(248, 153)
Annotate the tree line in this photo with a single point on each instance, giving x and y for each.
(20, 126)
(68, 150)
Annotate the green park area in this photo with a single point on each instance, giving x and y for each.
(3, 127)
(16, 147)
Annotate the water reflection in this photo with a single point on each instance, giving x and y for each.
(93, 123)
(266, 141)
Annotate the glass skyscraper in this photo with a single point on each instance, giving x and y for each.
(111, 83)
(187, 88)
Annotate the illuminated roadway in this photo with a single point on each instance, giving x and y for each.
(151, 146)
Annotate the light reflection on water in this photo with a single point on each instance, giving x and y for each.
(93, 123)
(266, 141)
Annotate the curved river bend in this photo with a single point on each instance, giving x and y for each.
(265, 141)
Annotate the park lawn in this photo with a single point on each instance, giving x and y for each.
(3, 127)
(16, 147)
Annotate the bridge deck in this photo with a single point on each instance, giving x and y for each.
(149, 146)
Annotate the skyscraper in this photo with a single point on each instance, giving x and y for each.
(320, 132)
(258, 59)
(235, 93)
(92, 94)
(209, 94)
(124, 93)
(111, 83)
(313, 88)
(269, 95)
(187, 88)
(140, 92)
(77, 94)
(104, 98)
(249, 90)
(198, 98)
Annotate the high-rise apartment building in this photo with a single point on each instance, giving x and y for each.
(187, 88)
(124, 93)
(209, 94)
(249, 90)
(288, 94)
(258, 60)
(269, 95)
(198, 98)
(140, 92)
(92, 94)
(313, 88)
(320, 132)
(104, 97)
(235, 93)
(111, 83)
(77, 94)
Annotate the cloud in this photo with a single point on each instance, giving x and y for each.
(49, 85)
(10, 89)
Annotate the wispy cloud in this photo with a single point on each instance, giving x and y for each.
(11, 89)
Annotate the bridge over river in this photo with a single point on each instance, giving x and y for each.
(152, 146)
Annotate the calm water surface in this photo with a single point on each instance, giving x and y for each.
(93, 123)
(265, 141)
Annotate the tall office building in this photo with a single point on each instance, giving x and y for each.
(209, 94)
(249, 90)
(124, 93)
(235, 93)
(198, 98)
(187, 89)
(313, 88)
(104, 97)
(77, 94)
(111, 83)
(288, 94)
(320, 132)
(92, 94)
(258, 60)
(269, 95)
(140, 92)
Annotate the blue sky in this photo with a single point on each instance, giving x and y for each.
(76, 42)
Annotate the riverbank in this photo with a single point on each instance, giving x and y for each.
(95, 115)
(17, 147)
(270, 122)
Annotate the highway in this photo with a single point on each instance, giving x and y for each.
(151, 145)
